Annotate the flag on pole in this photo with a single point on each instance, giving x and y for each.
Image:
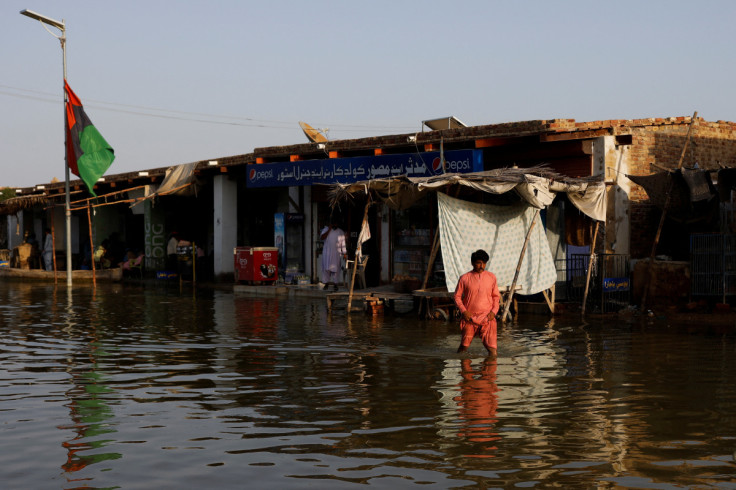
(88, 154)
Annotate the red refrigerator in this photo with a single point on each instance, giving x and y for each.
(256, 264)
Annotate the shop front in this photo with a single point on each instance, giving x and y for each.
(400, 241)
(412, 234)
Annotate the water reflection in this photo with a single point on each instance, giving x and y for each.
(90, 413)
(477, 404)
(143, 387)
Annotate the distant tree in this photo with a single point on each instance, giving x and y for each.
(6, 193)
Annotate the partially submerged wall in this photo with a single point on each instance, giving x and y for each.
(670, 283)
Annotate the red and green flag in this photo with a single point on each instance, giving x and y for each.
(88, 154)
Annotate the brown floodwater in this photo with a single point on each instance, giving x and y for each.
(140, 387)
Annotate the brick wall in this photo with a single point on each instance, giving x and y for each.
(712, 144)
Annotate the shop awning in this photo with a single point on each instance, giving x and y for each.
(15, 204)
(178, 181)
(506, 232)
(537, 186)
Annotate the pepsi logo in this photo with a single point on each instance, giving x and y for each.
(255, 175)
(437, 165)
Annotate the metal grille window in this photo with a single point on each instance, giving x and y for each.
(713, 264)
(610, 283)
(561, 285)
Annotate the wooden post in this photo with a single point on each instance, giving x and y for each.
(435, 246)
(91, 247)
(432, 256)
(549, 297)
(53, 242)
(355, 259)
(590, 266)
(507, 302)
(194, 262)
(664, 214)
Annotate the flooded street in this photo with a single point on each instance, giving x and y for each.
(126, 386)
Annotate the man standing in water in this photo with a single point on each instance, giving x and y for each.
(333, 251)
(477, 298)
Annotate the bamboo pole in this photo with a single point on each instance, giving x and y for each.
(53, 244)
(432, 256)
(194, 262)
(135, 201)
(590, 266)
(88, 199)
(507, 303)
(175, 189)
(92, 247)
(664, 214)
(355, 259)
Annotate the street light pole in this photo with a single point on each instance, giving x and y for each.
(60, 25)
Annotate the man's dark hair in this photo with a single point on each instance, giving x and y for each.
(479, 255)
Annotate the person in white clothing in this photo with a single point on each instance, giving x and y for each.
(48, 250)
(333, 252)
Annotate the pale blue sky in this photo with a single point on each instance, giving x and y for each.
(170, 82)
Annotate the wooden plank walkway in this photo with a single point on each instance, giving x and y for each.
(438, 302)
(388, 297)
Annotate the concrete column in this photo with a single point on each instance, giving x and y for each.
(316, 270)
(294, 198)
(225, 224)
(15, 230)
(154, 227)
(60, 231)
(308, 229)
(611, 159)
(385, 244)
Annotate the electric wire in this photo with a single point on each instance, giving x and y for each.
(185, 115)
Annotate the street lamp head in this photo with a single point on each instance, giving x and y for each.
(46, 20)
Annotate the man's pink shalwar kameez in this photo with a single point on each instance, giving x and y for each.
(477, 292)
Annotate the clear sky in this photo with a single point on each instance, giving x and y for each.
(171, 82)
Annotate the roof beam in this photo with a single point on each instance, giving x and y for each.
(573, 135)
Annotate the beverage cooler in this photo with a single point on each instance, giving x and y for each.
(256, 264)
(289, 240)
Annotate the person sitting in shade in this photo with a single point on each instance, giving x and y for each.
(477, 298)
(131, 260)
(101, 256)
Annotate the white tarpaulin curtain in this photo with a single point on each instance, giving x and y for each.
(590, 198)
(536, 191)
(499, 230)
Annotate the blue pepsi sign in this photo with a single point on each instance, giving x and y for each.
(354, 169)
